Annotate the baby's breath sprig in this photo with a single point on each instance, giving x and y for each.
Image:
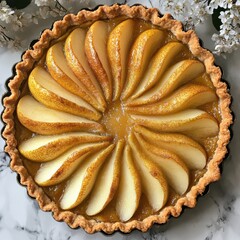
(13, 21)
(8, 41)
(50, 8)
(194, 12)
(190, 12)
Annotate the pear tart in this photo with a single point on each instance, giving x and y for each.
(117, 118)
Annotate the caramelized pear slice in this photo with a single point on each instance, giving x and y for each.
(40, 119)
(191, 152)
(157, 66)
(47, 91)
(194, 122)
(59, 169)
(119, 44)
(173, 167)
(82, 181)
(129, 187)
(62, 73)
(186, 97)
(77, 61)
(45, 148)
(107, 182)
(96, 52)
(177, 75)
(141, 52)
(154, 184)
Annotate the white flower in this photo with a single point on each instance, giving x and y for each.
(226, 4)
(43, 12)
(6, 13)
(214, 4)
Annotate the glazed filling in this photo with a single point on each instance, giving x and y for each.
(117, 120)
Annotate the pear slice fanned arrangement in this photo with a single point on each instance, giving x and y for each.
(42, 120)
(47, 91)
(60, 168)
(83, 179)
(45, 148)
(153, 79)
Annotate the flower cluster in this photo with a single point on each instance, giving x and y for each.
(14, 21)
(193, 12)
(228, 38)
(190, 12)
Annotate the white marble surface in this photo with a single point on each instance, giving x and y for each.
(216, 216)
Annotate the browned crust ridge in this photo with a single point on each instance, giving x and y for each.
(23, 69)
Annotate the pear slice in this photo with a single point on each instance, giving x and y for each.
(129, 187)
(119, 44)
(40, 119)
(141, 52)
(107, 182)
(154, 184)
(77, 61)
(57, 170)
(177, 75)
(157, 66)
(47, 91)
(58, 67)
(173, 167)
(186, 97)
(191, 152)
(45, 148)
(82, 181)
(96, 52)
(193, 122)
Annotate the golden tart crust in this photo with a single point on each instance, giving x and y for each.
(24, 68)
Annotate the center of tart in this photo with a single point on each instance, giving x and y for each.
(116, 120)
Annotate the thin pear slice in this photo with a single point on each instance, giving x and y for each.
(58, 67)
(60, 168)
(40, 119)
(82, 181)
(107, 182)
(77, 61)
(191, 152)
(45, 148)
(173, 167)
(129, 187)
(47, 91)
(193, 122)
(177, 75)
(119, 44)
(141, 52)
(186, 97)
(154, 184)
(157, 66)
(96, 52)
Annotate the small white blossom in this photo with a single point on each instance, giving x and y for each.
(212, 6)
(226, 4)
(43, 12)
